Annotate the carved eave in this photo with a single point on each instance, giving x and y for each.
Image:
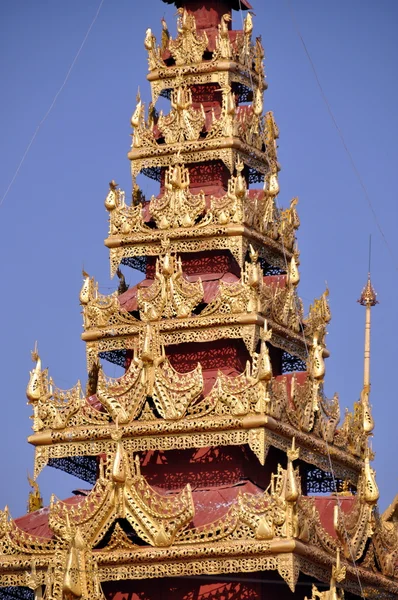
(237, 311)
(276, 530)
(288, 557)
(259, 431)
(226, 149)
(252, 408)
(234, 237)
(222, 72)
(123, 336)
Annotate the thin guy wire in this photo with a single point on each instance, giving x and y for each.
(52, 104)
(342, 138)
(307, 353)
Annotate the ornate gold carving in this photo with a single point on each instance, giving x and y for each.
(54, 408)
(223, 43)
(286, 306)
(154, 58)
(356, 527)
(178, 207)
(189, 46)
(149, 375)
(170, 295)
(184, 122)
(338, 574)
(35, 501)
(153, 407)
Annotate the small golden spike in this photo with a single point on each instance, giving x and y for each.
(292, 491)
(293, 275)
(265, 366)
(111, 201)
(119, 473)
(165, 35)
(371, 492)
(33, 391)
(92, 381)
(123, 286)
(85, 292)
(35, 501)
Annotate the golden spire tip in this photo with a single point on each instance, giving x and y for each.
(369, 295)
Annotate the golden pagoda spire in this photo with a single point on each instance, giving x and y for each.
(368, 300)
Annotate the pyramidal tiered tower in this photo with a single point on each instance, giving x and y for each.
(220, 469)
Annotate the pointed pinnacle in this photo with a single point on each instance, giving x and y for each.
(369, 295)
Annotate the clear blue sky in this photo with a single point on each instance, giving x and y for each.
(54, 221)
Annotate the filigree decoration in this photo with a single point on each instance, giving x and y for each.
(319, 316)
(338, 574)
(224, 47)
(249, 392)
(35, 501)
(244, 122)
(286, 307)
(272, 134)
(15, 541)
(301, 411)
(122, 492)
(229, 208)
(227, 125)
(143, 132)
(123, 219)
(188, 47)
(257, 516)
(100, 310)
(353, 434)
(54, 408)
(154, 55)
(177, 207)
(241, 296)
(244, 43)
(170, 295)
(183, 123)
(385, 543)
(357, 526)
(149, 375)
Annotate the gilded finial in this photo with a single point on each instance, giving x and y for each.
(333, 593)
(165, 35)
(369, 295)
(371, 491)
(293, 275)
(293, 453)
(86, 289)
(123, 286)
(292, 490)
(367, 299)
(35, 501)
(92, 381)
(33, 391)
(111, 200)
(138, 197)
(265, 366)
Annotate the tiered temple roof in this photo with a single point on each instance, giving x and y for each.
(209, 454)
